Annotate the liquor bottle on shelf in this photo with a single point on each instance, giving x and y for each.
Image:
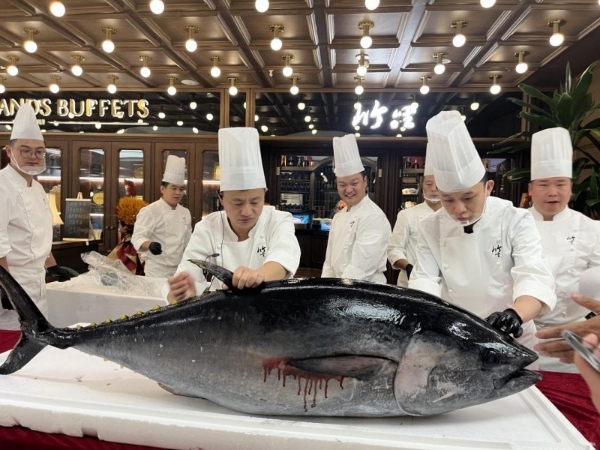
(283, 161)
(415, 164)
(407, 164)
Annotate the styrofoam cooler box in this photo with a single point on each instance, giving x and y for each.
(67, 306)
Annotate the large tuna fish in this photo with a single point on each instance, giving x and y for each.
(323, 347)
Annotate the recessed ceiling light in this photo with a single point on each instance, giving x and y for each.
(190, 82)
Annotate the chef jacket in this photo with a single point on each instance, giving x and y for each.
(25, 237)
(403, 241)
(487, 270)
(571, 242)
(272, 239)
(357, 243)
(172, 228)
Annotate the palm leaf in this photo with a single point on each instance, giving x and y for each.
(531, 106)
(524, 134)
(568, 78)
(543, 122)
(533, 92)
(564, 111)
(584, 83)
(515, 175)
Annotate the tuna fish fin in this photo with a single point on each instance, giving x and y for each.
(220, 272)
(175, 391)
(33, 323)
(360, 367)
(24, 352)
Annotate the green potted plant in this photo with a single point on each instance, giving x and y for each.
(570, 108)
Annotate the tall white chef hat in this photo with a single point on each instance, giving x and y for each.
(428, 169)
(25, 125)
(240, 160)
(453, 157)
(346, 157)
(589, 283)
(174, 170)
(551, 154)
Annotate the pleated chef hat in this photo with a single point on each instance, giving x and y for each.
(551, 154)
(346, 157)
(174, 170)
(240, 160)
(25, 125)
(428, 169)
(589, 283)
(452, 154)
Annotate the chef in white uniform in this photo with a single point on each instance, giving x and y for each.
(402, 247)
(163, 228)
(256, 242)
(25, 218)
(570, 240)
(479, 252)
(359, 233)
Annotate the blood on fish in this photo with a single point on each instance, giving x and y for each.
(308, 383)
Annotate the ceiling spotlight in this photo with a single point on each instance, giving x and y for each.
(522, 65)
(276, 43)
(366, 41)
(76, 68)
(314, 131)
(108, 45)
(363, 64)
(2, 87)
(294, 89)
(161, 115)
(195, 130)
(357, 104)
(157, 6)
(98, 125)
(487, 3)
(71, 115)
(287, 69)
(307, 118)
(54, 88)
(264, 128)
(145, 70)
(121, 131)
(311, 126)
(414, 105)
(193, 105)
(112, 87)
(191, 45)
(57, 9)
(394, 124)
(29, 43)
(408, 125)
(171, 90)
(214, 70)
(301, 106)
(371, 4)
(557, 37)
(155, 128)
(12, 68)
(180, 123)
(232, 89)
(495, 88)
(424, 89)
(403, 129)
(459, 39)
(359, 89)
(261, 5)
(256, 118)
(439, 68)
(474, 105)
(209, 116)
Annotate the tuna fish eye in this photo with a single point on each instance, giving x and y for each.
(491, 358)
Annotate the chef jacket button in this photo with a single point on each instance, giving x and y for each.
(450, 290)
(445, 266)
(498, 263)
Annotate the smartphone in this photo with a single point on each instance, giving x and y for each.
(585, 349)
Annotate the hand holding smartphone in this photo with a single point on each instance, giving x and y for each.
(588, 351)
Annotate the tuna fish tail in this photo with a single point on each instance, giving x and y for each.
(33, 325)
(221, 273)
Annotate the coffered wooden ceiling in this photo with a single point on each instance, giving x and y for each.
(322, 37)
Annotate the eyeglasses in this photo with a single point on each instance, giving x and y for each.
(28, 153)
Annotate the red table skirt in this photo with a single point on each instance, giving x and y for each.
(568, 392)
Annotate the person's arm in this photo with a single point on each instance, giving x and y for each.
(589, 374)
(327, 271)
(426, 275)
(60, 273)
(532, 278)
(369, 247)
(145, 224)
(284, 249)
(244, 277)
(398, 243)
(559, 348)
(4, 263)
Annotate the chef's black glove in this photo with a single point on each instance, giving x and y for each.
(507, 321)
(409, 268)
(155, 248)
(61, 273)
(6, 304)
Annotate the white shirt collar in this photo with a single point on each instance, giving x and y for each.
(558, 216)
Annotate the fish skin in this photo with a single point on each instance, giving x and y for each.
(320, 347)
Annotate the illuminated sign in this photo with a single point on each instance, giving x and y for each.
(400, 117)
(82, 108)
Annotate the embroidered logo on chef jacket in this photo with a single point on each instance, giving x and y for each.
(571, 239)
(352, 223)
(261, 250)
(497, 250)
